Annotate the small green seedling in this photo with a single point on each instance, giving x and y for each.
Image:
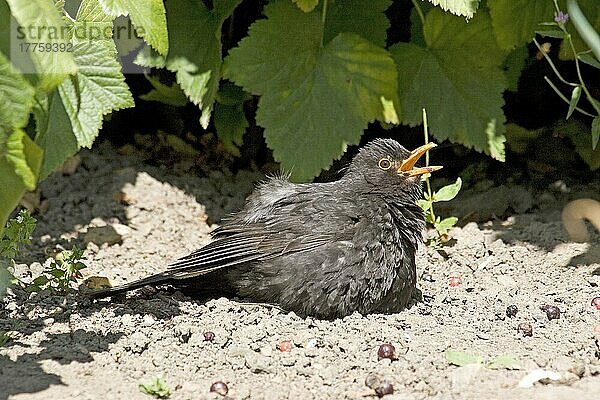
(157, 388)
(447, 193)
(63, 271)
(4, 338)
(16, 234)
(460, 358)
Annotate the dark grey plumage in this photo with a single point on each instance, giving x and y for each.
(321, 249)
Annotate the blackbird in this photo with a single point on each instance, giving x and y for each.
(320, 249)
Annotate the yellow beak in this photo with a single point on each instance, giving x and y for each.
(407, 166)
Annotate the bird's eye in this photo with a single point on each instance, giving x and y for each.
(385, 164)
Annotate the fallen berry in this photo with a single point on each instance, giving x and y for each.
(596, 302)
(597, 329)
(209, 336)
(455, 281)
(525, 329)
(386, 350)
(552, 312)
(220, 388)
(511, 310)
(285, 346)
(384, 388)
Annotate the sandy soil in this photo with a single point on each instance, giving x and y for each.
(72, 348)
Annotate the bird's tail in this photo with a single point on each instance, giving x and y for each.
(157, 279)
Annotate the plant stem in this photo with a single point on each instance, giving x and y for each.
(426, 133)
(563, 80)
(580, 77)
(562, 96)
(324, 13)
(419, 11)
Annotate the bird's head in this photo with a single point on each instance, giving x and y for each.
(387, 167)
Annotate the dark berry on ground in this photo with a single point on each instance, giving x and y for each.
(512, 310)
(386, 350)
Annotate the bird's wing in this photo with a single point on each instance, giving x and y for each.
(297, 220)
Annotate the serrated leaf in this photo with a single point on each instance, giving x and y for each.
(575, 94)
(461, 89)
(516, 21)
(365, 18)
(595, 132)
(197, 62)
(147, 16)
(16, 96)
(230, 124)
(448, 192)
(589, 60)
(458, 7)
(444, 225)
(551, 33)
(54, 134)
(96, 90)
(309, 87)
(171, 95)
(20, 161)
(514, 63)
(306, 5)
(42, 15)
(460, 358)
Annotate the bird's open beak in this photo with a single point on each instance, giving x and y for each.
(407, 166)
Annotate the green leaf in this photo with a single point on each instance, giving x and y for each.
(365, 18)
(514, 63)
(20, 161)
(448, 192)
(172, 95)
(588, 34)
(16, 96)
(444, 225)
(589, 60)
(458, 7)
(461, 90)
(424, 204)
(591, 11)
(579, 133)
(460, 358)
(5, 276)
(503, 362)
(98, 89)
(44, 19)
(309, 87)
(306, 5)
(552, 33)
(54, 133)
(595, 132)
(231, 124)
(516, 21)
(575, 94)
(197, 62)
(147, 16)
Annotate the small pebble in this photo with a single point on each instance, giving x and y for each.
(209, 336)
(455, 281)
(596, 302)
(511, 310)
(525, 329)
(384, 388)
(220, 388)
(386, 350)
(552, 312)
(285, 346)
